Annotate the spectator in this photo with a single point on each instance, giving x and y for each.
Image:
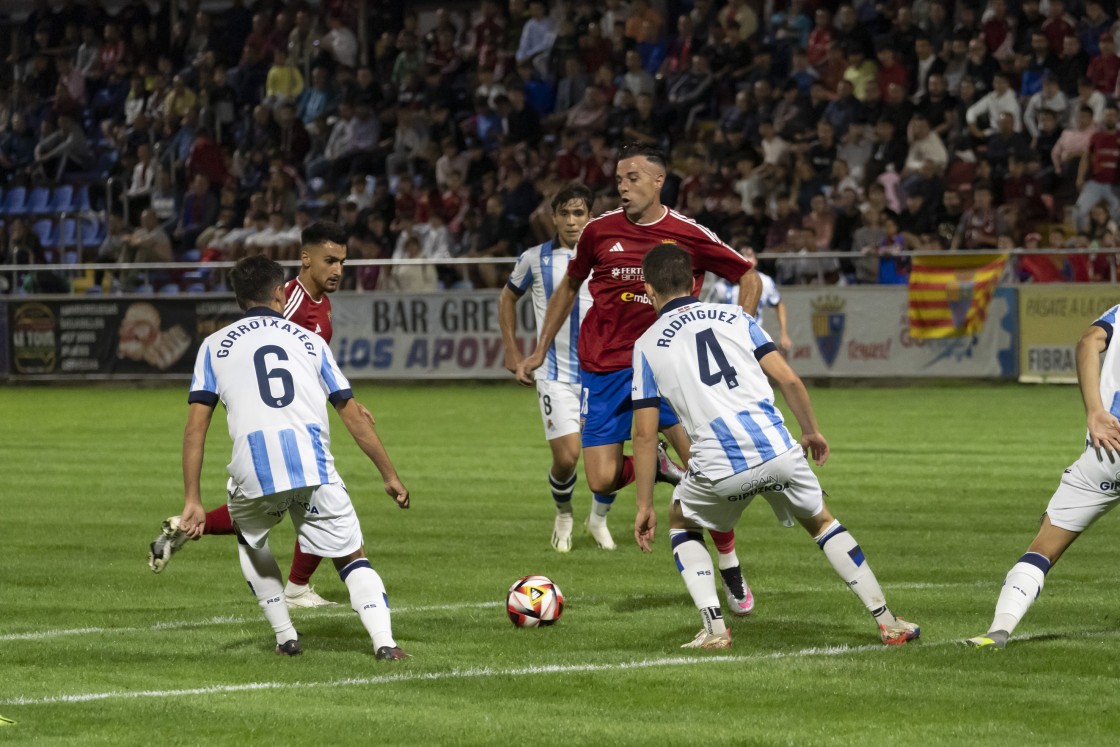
(1104, 68)
(1072, 144)
(1050, 98)
(981, 225)
(495, 237)
(17, 147)
(284, 83)
(200, 210)
(1100, 164)
(63, 150)
(537, 37)
(1088, 96)
(304, 42)
(1001, 99)
(342, 45)
(148, 243)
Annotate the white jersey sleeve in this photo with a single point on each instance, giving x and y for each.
(1110, 364)
(274, 378)
(704, 360)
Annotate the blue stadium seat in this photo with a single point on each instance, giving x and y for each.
(67, 236)
(93, 232)
(169, 289)
(44, 229)
(81, 199)
(70, 257)
(15, 201)
(192, 255)
(61, 198)
(38, 202)
(196, 288)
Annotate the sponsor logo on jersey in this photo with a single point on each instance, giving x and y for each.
(617, 247)
(635, 298)
(628, 273)
(828, 326)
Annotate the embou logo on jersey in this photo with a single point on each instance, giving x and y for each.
(828, 326)
(617, 247)
(635, 298)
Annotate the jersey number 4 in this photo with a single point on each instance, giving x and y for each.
(266, 377)
(709, 351)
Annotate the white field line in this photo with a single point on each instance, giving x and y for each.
(479, 672)
(343, 609)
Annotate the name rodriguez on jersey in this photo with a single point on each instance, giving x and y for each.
(699, 315)
(261, 323)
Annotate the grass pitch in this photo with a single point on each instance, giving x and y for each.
(942, 487)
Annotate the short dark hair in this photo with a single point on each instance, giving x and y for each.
(651, 153)
(323, 231)
(573, 191)
(668, 268)
(255, 280)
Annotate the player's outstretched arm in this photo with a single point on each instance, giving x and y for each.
(785, 344)
(750, 291)
(797, 397)
(645, 473)
(1104, 429)
(559, 306)
(359, 422)
(193, 518)
(507, 321)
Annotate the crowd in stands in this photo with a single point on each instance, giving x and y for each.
(792, 126)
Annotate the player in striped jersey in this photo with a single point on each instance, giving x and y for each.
(538, 271)
(610, 252)
(1088, 490)
(273, 376)
(322, 256)
(710, 362)
(725, 292)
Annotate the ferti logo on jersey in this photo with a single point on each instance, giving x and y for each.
(828, 326)
(635, 298)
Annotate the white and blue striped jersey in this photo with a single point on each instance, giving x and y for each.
(540, 270)
(274, 378)
(1110, 366)
(725, 292)
(703, 358)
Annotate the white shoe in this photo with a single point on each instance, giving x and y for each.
(737, 591)
(902, 631)
(706, 640)
(667, 470)
(304, 596)
(600, 534)
(170, 539)
(562, 532)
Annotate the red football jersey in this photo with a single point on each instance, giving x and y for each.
(613, 247)
(306, 311)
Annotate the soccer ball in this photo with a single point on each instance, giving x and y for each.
(533, 601)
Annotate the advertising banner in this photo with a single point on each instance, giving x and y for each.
(864, 332)
(437, 336)
(1052, 318)
(98, 338)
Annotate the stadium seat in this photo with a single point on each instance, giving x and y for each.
(81, 200)
(61, 198)
(67, 236)
(44, 229)
(169, 289)
(196, 288)
(192, 255)
(15, 201)
(70, 257)
(92, 232)
(38, 202)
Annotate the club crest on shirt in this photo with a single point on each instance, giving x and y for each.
(828, 326)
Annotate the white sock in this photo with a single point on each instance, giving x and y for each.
(1021, 587)
(562, 492)
(695, 565)
(368, 598)
(846, 557)
(728, 560)
(266, 583)
(600, 507)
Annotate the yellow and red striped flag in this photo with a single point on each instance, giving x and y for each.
(949, 295)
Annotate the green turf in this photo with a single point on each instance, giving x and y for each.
(941, 486)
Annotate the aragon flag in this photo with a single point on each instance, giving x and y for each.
(949, 294)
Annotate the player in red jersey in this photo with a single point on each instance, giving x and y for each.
(322, 256)
(613, 246)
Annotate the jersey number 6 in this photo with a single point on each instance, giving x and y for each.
(266, 377)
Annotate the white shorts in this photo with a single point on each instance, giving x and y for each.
(324, 518)
(1089, 489)
(786, 481)
(559, 403)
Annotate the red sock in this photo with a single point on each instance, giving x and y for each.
(303, 565)
(218, 521)
(725, 541)
(627, 475)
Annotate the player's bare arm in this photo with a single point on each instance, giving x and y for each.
(785, 344)
(645, 471)
(750, 291)
(1104, 428)
(365, 435)
(193, 518)
(559, 307)
(797, 397)
(507, 321)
